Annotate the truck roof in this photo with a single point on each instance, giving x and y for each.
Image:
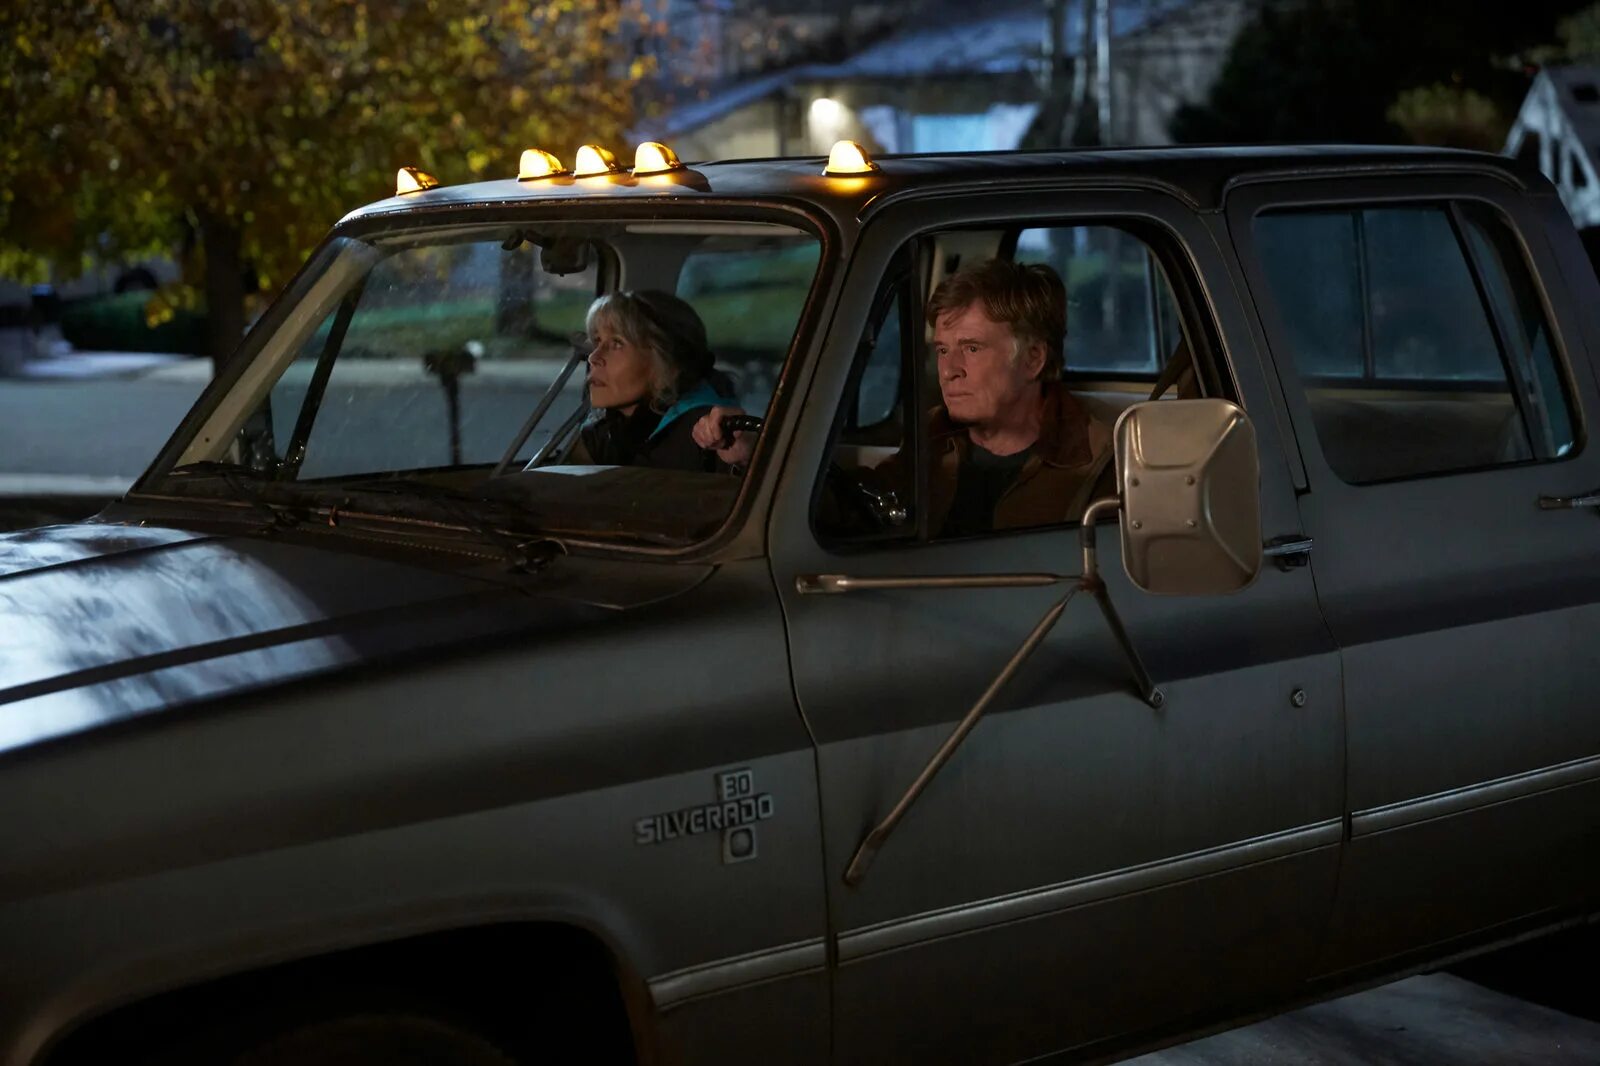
(1199, 175)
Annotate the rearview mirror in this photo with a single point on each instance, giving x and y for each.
(1189, 479)
(564, 255)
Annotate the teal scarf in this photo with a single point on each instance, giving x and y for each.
(702, 395)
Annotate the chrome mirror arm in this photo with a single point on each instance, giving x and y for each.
(1149, 691)
(1086, 536)
(1089, 581)
(868, 849)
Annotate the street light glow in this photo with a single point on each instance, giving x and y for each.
(826, 111)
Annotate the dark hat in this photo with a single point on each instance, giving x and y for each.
(680, 335)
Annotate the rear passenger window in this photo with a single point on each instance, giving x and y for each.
(1418, 336)
(1121, 319)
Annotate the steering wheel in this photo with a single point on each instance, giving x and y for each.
(732, 424)
(879, 506)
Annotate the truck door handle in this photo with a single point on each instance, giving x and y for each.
(1569, 503)
(1288, 552)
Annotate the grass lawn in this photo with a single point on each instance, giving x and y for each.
(755, 320)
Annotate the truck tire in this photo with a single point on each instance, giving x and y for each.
(375, 1040)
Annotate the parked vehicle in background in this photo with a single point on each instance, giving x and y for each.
(103, 310)
(325, 742)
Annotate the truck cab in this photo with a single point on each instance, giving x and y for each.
(369, 719)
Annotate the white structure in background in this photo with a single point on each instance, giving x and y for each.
(1559, 129)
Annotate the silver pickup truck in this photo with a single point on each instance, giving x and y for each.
(370, 727)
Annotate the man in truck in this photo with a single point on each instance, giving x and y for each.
(1011, 446)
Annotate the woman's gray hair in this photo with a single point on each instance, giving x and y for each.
(665, 328)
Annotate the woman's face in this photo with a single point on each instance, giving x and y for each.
(619, 371)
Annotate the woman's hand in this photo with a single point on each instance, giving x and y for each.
(709, 434)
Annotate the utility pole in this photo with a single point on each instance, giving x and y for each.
(1102, 68)
(1052, 126)
(1078, 116)
(1055, 43)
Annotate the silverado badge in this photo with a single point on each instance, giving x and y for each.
(735, 813)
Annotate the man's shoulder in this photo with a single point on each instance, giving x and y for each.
(1075, 428)
(1099, 409)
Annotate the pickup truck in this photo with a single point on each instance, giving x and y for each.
(369, 728)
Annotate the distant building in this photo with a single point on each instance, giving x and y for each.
(1558, 128)
(955, 76)
(717, 42)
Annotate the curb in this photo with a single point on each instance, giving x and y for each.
(530, 374)
(77, 485)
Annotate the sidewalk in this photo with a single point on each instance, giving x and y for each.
(29, 357)
(489, 373)
(1432, 1020)
(80, 366)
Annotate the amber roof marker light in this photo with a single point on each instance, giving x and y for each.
(849, 159)
(410, 179)
(594, 161)
(537, 163)
(653, 157)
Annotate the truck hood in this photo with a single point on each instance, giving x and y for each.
(102, 623)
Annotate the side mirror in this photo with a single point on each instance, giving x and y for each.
(1189, 479)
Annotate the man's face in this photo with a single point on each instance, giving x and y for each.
(980, 381)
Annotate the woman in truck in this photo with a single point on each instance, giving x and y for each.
(651, 378)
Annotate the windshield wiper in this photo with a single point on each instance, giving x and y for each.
(523, 555)
(243, 484)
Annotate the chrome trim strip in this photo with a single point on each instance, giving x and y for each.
(1459, 800)
(670, 989)
(904, 932)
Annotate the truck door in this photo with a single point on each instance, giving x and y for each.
(1086, 864)
(1431, 335)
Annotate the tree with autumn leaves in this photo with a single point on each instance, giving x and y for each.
(239, 131)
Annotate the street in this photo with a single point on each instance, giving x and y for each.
(88, 424)
(1431, 1020)
(87, 435)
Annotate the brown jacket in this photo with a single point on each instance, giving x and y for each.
(1069, 465)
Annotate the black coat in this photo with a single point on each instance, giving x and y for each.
(616, 439)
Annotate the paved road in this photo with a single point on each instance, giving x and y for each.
(88, 436)
(90, 425)
(1435, 1020)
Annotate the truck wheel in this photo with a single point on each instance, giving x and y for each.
(375, 1040)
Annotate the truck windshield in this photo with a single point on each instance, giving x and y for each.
(483, 361)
